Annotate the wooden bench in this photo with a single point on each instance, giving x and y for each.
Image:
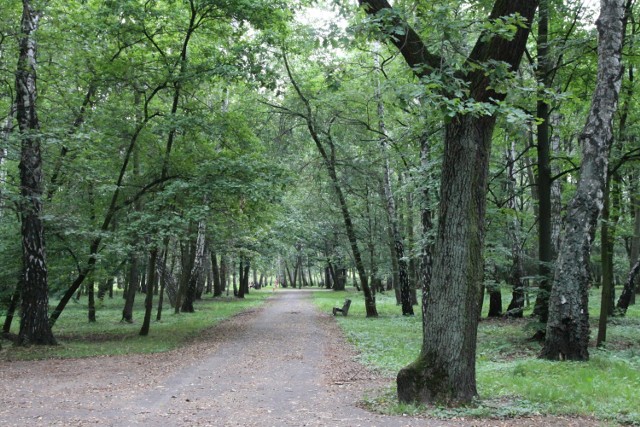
(345, 308)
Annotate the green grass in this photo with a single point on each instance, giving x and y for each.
(109, 336)
(512, 381)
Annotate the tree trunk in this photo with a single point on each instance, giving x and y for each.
(567, 335)
(34, 322)
(195, 276)
(390, 204)
(628, 291)
(187, 258)
(91, 302)
(329, 159)
(152, 278)
(516, 306)
(11, 309)
(223, 274)
(445, 369)
(132, 289)
(495, 301)
(546, 254)
(452, 297)
(217, 284)
(607, 233)
(161, 273)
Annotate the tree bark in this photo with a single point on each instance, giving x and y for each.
(34, 322)
(567, 334)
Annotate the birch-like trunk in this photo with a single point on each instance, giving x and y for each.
(567, 334)
(196, 270)
(34, 323)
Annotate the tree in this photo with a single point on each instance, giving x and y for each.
(567, 335)
(323, 140)
(445, 369)
(34, 322)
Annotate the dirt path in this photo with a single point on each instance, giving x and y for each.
(267, 367)
(284, 364)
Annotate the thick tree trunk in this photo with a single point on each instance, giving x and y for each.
(34, 323)
(452, 297)
(223, 274)
(445, 369)
(567, 335)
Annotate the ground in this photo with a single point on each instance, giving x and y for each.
(284, 364)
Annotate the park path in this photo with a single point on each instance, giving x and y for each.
(283, 364)
(273, 370)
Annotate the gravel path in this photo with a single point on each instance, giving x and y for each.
(285, 364)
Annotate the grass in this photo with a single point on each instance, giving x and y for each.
(109, 336)
(512, 381)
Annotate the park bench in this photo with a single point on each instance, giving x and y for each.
(345, 308)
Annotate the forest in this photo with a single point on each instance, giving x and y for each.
(458, 160)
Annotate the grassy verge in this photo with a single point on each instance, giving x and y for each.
(512, 381)
(109, 336)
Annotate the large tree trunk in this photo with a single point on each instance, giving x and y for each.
(445, 369)
(34, 323)
(567, 335)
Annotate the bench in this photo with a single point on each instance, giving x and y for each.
(345, 308)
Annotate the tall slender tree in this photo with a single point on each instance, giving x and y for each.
(567, 335)
(34, 323)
